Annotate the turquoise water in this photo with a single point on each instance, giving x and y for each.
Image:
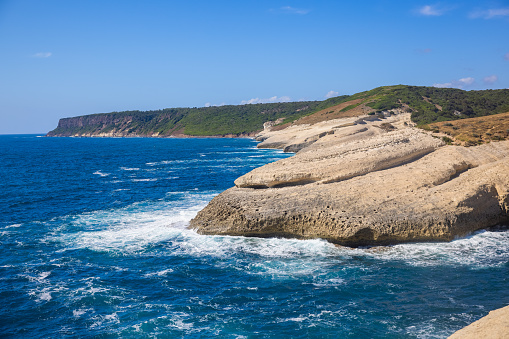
(94, 244)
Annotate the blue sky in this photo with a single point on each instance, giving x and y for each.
(67, 58)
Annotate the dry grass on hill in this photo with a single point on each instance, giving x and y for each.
(474, 131)
(336, 112)
(352, 108)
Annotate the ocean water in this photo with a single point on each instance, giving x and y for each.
(94, 243)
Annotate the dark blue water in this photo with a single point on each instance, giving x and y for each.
(94, 244)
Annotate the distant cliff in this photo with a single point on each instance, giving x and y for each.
(426, 105)
(122, 124)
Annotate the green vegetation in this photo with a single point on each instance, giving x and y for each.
(430, 104)
(349, 107)
(447, 140)
(427, 105)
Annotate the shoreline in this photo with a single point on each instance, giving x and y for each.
(156, 137)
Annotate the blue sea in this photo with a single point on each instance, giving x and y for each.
(94, 243)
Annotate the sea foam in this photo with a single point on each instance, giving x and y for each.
(481, 249)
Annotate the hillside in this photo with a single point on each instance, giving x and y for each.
(427, 105)
(473, 131)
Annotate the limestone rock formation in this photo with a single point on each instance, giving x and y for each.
(493, 326)
(359, 184)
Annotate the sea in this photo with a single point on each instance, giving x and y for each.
(95, 244)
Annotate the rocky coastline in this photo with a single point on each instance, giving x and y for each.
(363, 181)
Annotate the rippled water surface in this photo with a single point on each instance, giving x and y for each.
(94, 244)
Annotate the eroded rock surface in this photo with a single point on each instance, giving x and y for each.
(362, 185)
(343, 159)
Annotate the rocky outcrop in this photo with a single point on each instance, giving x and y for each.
(343, 160)
(361, 185)
(493, 326)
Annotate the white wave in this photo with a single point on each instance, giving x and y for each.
(431, 329)
(483, 248)
(101, 173)
(41, 278)
(41, 296)
(330, 282)
(303, 257)
(13, 226)
(160, 273)
(89, 288)
(46, 293)
(226, 246)
(101, 320)
(129, 168)
(113, 317)
(143, 180)
(124, 235)
(164, 162)
(132, 228)
(79, 312)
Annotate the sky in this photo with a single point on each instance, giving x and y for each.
(68, 58)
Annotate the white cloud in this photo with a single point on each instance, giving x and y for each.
(42, 55)
(331, 94)
(431, 11)
(264, 101)
(491, 13)
(466, 81)
(293, 10)
(461, 83)
(444, 85)
(208, 104)
(490, 79)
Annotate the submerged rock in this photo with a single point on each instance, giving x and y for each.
(362, 185)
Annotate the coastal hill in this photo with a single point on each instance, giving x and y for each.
(426, 105)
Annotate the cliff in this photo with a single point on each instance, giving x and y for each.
(364, 181)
